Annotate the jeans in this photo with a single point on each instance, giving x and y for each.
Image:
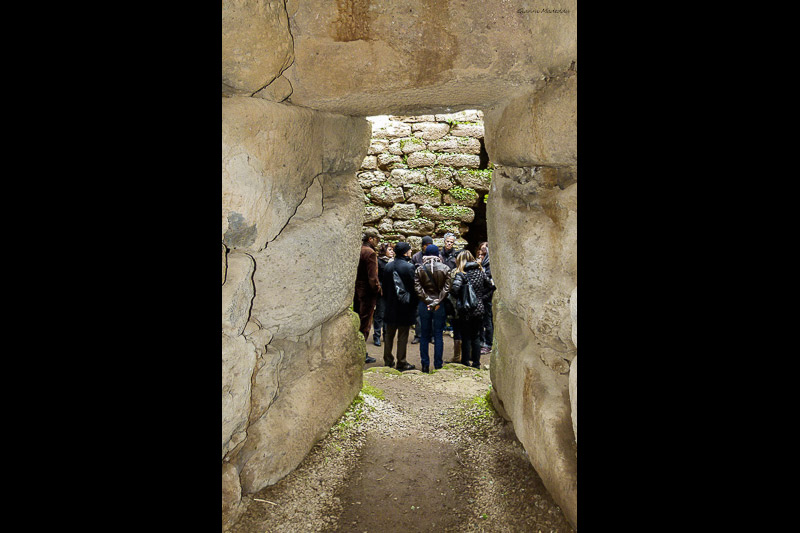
(432, 325)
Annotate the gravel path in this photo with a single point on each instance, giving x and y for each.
(415, 452)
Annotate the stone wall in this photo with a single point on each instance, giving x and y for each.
(288, 190)
(533, 207)
(422, 176)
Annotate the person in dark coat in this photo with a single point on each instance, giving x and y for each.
(416, 260)
(488, 318)
(468, 271)
(368, 289)
(398, 316)
(385, 254)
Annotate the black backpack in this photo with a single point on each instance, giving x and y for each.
(468, 303)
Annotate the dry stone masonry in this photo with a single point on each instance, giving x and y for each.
(423, 176)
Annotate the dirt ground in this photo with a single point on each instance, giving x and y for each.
(414, 453)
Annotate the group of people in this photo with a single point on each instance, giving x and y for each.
(432, 290)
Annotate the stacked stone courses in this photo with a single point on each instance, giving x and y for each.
(422, 176)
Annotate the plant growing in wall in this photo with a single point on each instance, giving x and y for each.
(425, 190)
(455, 211)
(463, 194)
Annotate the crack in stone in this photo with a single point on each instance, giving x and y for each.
(297, 207)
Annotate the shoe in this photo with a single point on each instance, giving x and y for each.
(476, 365)
(376, 342)
(369, 359)
(405, 366)
(415, 340)
(426, 369)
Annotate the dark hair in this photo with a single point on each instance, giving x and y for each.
(384, 247)
(368, 234)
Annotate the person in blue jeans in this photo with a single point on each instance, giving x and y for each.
(432, 284)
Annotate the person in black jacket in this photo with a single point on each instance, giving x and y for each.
(488, 318)
(468, 271)
(397, 316)
(385, 254)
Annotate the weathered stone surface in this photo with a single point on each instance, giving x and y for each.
(403, 211)
(321, 367)
(270, 155)
(285, 302)
(411, 145)
(538, 128)
(386, 195)
(391, 130)
(224, 262)
(373, 213)
(573, 395)
(297, 351)
(451, 226)
(535, 399)
(530, 366)
(463, 145)
(458, 160)
(231, 494)
(394, 148)
(480, 181)
(466, 197)
(385, 160)
(573, 311)
(469, 115)
(404, 176)
(430, 131)
(377, 146)
(467, 130)
(421, 159)
(371, 179)
(413, 118)
(415, 226)
(441, 178)
(256, 44)
(279, 90)
(420, 194)
(454, 212)
(238, 361)
(369, 58)
(386, 225)
(573, 367)
(370, 162)
(430, 212)
(237, 293)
